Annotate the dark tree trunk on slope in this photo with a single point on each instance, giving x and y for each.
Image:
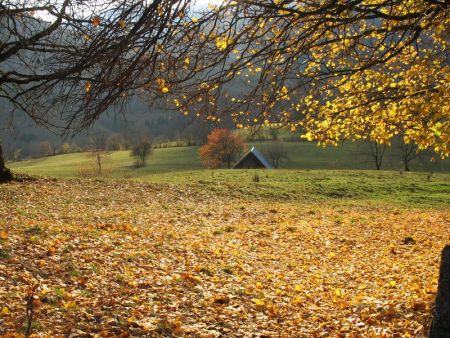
(377, 151)
(440, 328)
(5, 173)
(99, 163)
(409, 152)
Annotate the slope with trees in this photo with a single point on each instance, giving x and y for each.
(66, 62)
(334, 70)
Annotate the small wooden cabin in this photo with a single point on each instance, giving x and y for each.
(253, 160)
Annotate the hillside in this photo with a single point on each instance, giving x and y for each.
(175, 166)
(303, 155)
(117, 164)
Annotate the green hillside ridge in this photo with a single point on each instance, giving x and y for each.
(310, 175)
(303, 155)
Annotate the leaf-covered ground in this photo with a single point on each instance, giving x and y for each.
(114, 258)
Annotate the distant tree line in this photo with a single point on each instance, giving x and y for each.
(165, 132)
(101, 141)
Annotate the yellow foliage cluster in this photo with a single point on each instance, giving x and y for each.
(331, 75)
(409, 99)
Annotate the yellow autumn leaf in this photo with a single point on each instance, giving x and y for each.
(272, 310)
(133, 283)
(122, 24)
(5, 310)
(132, 320)
(87, 86)
(440, 28)
(70, 305)
(223, 42)
(259, 302)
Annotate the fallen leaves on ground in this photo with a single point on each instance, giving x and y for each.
(131, 259)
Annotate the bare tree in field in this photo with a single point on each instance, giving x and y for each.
(141, 151)
(377, 153)
(276, 152)
(98, 149)
(408, 152)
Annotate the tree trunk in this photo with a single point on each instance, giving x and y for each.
(99, 162)
(440, 327)
(406, 165)
(409, 153)
(377, 151)
(5, 173)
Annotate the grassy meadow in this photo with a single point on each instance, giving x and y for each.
(302, 155)
(175, 250)
(342, 174)
(117, 164)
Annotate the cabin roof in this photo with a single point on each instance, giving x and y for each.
(258, 156)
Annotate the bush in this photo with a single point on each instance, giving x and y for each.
(222, 149)
(141, 151)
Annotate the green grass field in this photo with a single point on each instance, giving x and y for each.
(310, 175)
(117, 164)
(327, 186)
(303, 155)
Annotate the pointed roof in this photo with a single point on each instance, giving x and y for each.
(258, 156)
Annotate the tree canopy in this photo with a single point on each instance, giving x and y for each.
(222, 149)
(331, 69)
(66, 62)
(360, 69)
